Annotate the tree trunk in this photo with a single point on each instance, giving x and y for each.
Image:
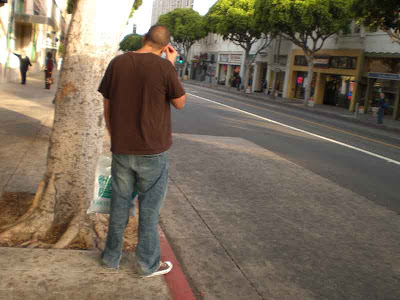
(273, 89)
(184, 69)
(246, 71)
(76, 141)
(310, 60)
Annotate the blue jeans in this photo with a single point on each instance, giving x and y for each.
(148, 175)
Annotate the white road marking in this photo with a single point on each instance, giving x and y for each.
(302, 131)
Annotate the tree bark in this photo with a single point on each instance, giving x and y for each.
(310, 60)
(184, 69)
(273, 89)
(246, 71)
(78, 131)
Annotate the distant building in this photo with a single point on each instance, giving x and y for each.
(349, 71)
(35, 27)
(161, 7)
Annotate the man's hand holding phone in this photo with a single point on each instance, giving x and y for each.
(171, 54)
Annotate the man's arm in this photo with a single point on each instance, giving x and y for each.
(178, 103)
(107, 115)
(171, 53)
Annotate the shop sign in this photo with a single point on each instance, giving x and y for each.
(204, 56)
(321, 62)
(224, 57)
(236, 57)
(384, 76)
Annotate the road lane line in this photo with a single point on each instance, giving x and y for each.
(302, 131)
(313, 123)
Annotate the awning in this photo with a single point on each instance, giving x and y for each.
(30, 19)
(383, 54)
(384, 76)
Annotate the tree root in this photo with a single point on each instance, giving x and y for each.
(71, 233)
(36, 244)
(31, 228)
(36, 228)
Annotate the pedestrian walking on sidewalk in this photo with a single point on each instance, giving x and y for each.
(24, 63)
(48, 71)
(238, 81)
(382, 105)
(138, 88)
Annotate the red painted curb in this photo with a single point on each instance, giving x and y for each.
(176, 280)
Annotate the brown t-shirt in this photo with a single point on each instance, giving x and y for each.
(139, 87)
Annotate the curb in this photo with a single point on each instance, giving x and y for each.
(304, 109)
(176, 280)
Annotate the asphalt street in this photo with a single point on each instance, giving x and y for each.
(270, 202)
(371, 177)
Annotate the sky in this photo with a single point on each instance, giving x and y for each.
(142, 17)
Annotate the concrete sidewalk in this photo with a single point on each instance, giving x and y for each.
(248, 224)
(26, 117)
(326, 110)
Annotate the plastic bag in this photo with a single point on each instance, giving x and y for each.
(101, 203)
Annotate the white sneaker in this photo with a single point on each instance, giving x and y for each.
(164, 268)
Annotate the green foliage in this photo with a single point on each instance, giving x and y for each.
(185, 25)
(234, 20)
(136, 5)
(61, 49)
(303, 21)
(131, 42)
(378, 14)
(71, 6)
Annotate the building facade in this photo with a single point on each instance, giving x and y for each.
(161, 7)
(217, 61)
(349, 71)
(31, 26)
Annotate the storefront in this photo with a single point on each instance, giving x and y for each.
(334, 79)
(277, 78)
(204, 67)
(228, 68)
(381, 75)
(260, 76)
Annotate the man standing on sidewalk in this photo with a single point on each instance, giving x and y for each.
(138, 88)
(382, 105)
(24, 63)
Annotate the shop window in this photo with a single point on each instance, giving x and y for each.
(339, 90)
(343, 62)
(300, 60)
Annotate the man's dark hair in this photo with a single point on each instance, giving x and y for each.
(158, 36)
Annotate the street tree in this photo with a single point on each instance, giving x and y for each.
(378, 14)
(58, 216)
(131, 42)
(234, 21)
(307, 23)
(186, 27)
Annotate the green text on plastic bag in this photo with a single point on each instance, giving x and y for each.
(105, 183)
